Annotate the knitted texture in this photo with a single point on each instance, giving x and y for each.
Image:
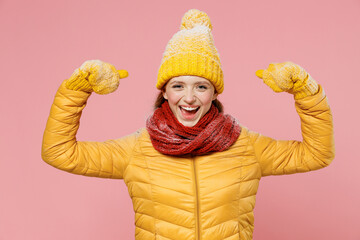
(289, 77)
(191, 51)
(215, 132)
(97, 76)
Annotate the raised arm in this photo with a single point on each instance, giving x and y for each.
(60, 147)
(316, 150)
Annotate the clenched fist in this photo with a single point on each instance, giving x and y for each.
(289, 77)
(96, 76)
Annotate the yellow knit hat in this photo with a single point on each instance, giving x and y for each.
(191, 51)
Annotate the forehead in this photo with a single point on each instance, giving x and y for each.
(189, 79)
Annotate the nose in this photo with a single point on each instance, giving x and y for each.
(189, 97)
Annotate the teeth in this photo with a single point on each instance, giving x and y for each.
(189, 108)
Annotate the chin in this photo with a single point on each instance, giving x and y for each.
(189, 123)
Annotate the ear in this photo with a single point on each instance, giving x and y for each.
(164, 94)
(215, 96)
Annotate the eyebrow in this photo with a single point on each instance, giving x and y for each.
(176, 82)
(197, 82)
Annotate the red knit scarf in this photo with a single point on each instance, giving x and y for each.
(215, 132)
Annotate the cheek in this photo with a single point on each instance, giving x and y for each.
(173, 97)
(206, 98)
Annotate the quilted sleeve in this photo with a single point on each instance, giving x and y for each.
(315, 151)
(61, 150)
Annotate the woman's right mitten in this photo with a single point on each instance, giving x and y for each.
(96, 76)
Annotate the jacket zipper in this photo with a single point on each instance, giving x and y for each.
(197, 223)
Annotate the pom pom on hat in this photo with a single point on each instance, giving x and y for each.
(192, 52)
(193, 18)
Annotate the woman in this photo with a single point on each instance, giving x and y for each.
(193, 172)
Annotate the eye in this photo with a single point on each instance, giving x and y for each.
(202, 87)
(176, 86)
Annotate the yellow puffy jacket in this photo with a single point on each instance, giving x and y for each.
(190, 197)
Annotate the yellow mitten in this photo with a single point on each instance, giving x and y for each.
(289, 77)
(97, 76)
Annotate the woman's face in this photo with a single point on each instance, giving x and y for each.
(189, 98)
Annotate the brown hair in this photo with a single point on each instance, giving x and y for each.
(160, 100)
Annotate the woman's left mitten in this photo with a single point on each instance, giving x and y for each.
(289, 77)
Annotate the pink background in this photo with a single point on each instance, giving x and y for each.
(43, 41)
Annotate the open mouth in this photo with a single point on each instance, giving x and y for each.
(189, 112)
